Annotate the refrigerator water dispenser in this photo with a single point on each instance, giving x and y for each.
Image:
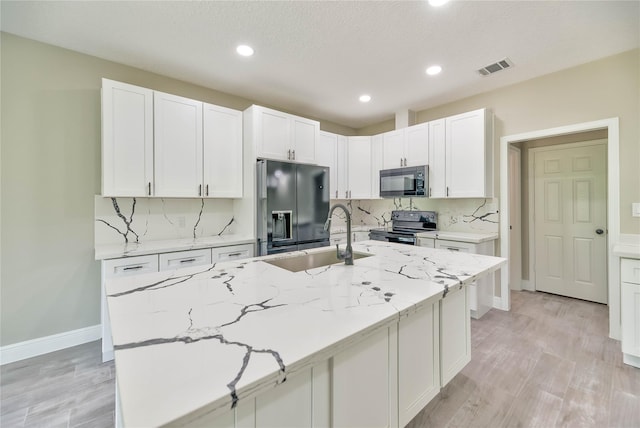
(282, 226)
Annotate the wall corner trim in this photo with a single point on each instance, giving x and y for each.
(44, 345)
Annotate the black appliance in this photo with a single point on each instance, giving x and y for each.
(405, 226)
(293, 203)
(404, 182)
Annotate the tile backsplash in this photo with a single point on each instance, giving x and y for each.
(460, 215)
(122, 220)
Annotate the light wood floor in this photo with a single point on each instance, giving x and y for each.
(546, 363)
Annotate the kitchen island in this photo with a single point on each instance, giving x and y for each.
(249, 343)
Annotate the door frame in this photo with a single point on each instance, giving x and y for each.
(613, 208)
(531, 189)
(515, 227)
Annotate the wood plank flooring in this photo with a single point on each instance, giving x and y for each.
(546, 363)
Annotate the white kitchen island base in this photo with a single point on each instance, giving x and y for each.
(250, 344)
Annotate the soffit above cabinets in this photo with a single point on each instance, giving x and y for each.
(315, 58)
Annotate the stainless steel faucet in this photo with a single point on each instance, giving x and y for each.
(347, 256)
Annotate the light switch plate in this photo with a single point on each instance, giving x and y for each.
(635, 209)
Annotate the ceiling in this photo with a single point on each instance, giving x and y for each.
(316, 58)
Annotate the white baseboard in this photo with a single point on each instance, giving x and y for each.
(499, 304)
(527, 285)
(44, 345)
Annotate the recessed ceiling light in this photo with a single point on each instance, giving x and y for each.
(244, 50)
(365, 98)
(433, 70)
(436, 3)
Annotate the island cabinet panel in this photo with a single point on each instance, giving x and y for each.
(363, 384)
(127, 139)
(418, 361)
(455, 333)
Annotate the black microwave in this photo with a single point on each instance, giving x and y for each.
(410, 181)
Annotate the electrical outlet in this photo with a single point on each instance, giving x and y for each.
(635, 209)
(181, 222)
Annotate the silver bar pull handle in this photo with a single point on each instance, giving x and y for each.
(234, 254)
(133, 267)
(207, 190)
(149, 189)
(187, 260)
(293, 154)
(200, 190)
(447, 190)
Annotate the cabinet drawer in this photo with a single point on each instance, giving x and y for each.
(233, 252)
(130, 266)
(630, 270)
(464, 247)
(185, 259)
(426, 242)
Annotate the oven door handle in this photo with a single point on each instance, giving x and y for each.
(402, 240)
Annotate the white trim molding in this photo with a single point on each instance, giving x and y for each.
(613, 207)
(44, 345)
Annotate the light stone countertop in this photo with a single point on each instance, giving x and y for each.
(131, 249)
(200, 339)
(471, 237)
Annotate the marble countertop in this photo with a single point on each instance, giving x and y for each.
(114, 251)
(200, 339)
(471, 237)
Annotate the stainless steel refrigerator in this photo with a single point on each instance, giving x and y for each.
(293, 203)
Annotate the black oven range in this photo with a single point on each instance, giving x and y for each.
(405, 225)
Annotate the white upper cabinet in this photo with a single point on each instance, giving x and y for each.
(342, 164)
(461, 156)
(158, 144)
(326, 155)
(283, 136)
(127, 139)
(359, 168)
(406, 147)
(177, 146)
(377, 158)
(437, 159)
(222, 147)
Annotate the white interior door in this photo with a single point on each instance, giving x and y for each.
(570, 221)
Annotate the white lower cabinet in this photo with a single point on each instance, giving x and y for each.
(630, 310)
(455, 334)
(480, 291)
(418, 361)
(181, 259)
(361, 383)
(232, 252)
(116, 268)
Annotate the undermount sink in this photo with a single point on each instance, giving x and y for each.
(312, 260)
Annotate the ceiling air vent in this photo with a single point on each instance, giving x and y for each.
(495, 67)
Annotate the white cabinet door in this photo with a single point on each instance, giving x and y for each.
(182, 259)
(377, 160)
(467, 162)
(418, 361)
(630, 310)
(359, 168)
(272, 134)
(231, 252)
(289, 404)
(393, 149)
(455, 334)
(342, 163)
(437, 159)
(222, 152)
(326, 152)
(304, 139)
(417, 145)
(127, 139)
(361, 384)
(115, 268)
(178, 146)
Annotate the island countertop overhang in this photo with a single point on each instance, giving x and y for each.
(211, 335)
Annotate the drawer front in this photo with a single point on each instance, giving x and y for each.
(233, 252)
(630, 270)
(130, 266)
(180, 259)
(426, 242)
(463, 247)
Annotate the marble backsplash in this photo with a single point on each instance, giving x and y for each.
(460, 215)
(130, 220)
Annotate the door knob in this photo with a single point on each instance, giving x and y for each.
(599, 231)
